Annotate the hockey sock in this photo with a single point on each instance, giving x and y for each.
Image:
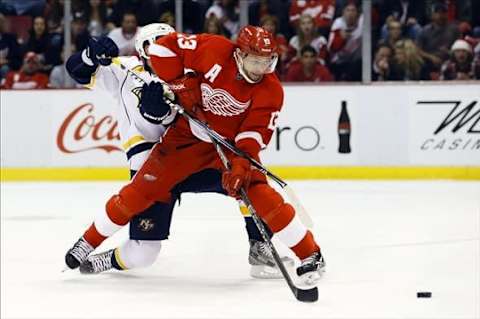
(105, 224)
(252, 229)
(93, 237)
(306, 247)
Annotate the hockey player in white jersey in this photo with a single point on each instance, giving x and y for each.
(139, 131)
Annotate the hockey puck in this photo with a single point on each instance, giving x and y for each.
(424, 294)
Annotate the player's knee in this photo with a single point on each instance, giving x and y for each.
(128, 203)
(139, 253)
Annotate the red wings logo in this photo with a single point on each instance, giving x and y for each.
(82, 131)
(220, 102)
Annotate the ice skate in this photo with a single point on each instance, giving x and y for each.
(78, 253)
(311, 270)
(263, 265)
(97, 263)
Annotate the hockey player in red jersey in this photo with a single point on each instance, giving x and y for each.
(241, 98)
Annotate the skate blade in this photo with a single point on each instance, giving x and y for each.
(265, 272)
(268, 272)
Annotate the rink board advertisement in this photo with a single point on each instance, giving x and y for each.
(445, 126)
(319, 126)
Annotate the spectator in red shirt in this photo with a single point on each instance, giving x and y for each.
(307, 34)
(29, 76)
(345, 44)
(308, 69)
(322, 12)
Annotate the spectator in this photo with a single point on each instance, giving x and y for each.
(124, 37)
(394, 33)
(10, 57)
(460, 66)
(345, 43)
(437, 37)
(54, 16)
(41, 42)
(322, 12)
(97, 16)
(29, 76)
(459, 10)
(59, 78)
(382, 62)
(80, 34)
(408, 63)
(214, 26)
(168, 18)
(307, 34)
(146, 12)
(270, 23)
(193, 13)
(24, 7)
(277, 8)
(307, 69)
(228, 12)
(409, 13)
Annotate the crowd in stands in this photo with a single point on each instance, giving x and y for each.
(319, 40)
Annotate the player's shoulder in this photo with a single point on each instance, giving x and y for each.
(216, 43)
(271, 89)
(271, 83)
(130, 61)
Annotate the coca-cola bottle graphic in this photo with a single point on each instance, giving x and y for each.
(344, 130)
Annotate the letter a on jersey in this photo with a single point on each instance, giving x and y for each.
(212, 74)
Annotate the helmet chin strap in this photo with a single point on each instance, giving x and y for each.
(241, 70)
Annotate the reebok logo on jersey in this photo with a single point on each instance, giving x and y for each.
(176, 87)
(220, 102)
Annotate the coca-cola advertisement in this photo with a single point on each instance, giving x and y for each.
(84, 129)
(64, 128)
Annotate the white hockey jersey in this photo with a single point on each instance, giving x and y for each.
(137, 134)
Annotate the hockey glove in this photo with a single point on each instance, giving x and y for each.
(101, 50)
(152, 104)
(238, 176)
(187, 92)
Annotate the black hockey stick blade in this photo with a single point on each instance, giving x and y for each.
(307, 295)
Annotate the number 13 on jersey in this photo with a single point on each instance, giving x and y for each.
(187, 42)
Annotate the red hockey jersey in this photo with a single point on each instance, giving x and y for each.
(233, 107)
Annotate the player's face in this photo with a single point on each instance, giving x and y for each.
(256, 66)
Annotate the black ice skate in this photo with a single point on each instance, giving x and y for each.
(98, 263)
(78, 253)
(262, 263)
(311, 269)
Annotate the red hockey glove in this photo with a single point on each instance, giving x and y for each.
(238, 177)
(187, 91)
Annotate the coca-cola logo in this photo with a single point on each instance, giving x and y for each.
(83, 131)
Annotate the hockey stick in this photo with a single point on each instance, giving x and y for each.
(302, 213)
(305, 295)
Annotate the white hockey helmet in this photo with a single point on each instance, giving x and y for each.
(150, 33)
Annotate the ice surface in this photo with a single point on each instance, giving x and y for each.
(383, 242)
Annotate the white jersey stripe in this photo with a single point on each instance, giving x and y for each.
(160, 51)
(251, 134)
